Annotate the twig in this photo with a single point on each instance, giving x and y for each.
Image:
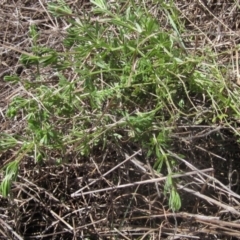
(143, 182)
(202, 173)
(121, 234)
(210, 200)
(10, 229)
(77, 193)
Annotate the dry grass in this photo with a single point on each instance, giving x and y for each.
(44, 202)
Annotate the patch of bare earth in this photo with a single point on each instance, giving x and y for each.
(120, 197)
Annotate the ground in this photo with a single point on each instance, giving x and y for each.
(111, 160)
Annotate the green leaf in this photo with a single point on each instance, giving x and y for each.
(59, 9)
(174, 200)
(100, 3)
(29, 60)
(11, 171)
(13, 79)
(33, 34)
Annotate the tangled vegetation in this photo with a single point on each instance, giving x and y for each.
(120, 124)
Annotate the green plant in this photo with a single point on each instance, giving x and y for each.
(132, 80)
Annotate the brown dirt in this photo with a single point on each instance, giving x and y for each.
(41, 205)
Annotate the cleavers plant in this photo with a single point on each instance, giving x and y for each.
(131, 78)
